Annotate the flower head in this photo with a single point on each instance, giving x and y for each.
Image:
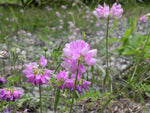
(3, 53)
(10, 94)
(116, 11)
(11, 111)
(103, 12)
(2, 80)
(43, 61)
(61, 77)
(78, 51)
(35, 74)
(58, 14)
(145, 18)
(63, 7)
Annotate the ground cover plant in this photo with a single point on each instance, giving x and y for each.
(77, 56)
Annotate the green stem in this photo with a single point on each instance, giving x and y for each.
(56, 100)
(107, 69)
(93, 77)
(40, 98)
(45, 54)
(74, 90)
(107, 56)
(9, 105)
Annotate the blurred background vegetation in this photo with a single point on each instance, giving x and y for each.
(60, 2)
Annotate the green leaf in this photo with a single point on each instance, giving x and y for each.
(86, 95)
(53, 80)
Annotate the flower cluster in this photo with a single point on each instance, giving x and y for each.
(115, 12)
(35, 74)
(11, 111)
(2, 80)
(63, 82)
(3, 53)
(145, 18)
(78, 51)
(10, 94)
(63, 7)
(77, 55)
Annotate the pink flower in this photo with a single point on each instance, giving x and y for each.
(95, 14)
(71, 24)
(10, 94)
(21, 10)
(77, 30)
(97, 25)
(16, 94)
(83, 84)
(143, 19)
(43, 61)
(101, 32)
(22, 32)
(16, 67)
(58, 14)
(2, 80)
(63, 7)
(71, 37)
(61, 77)
(53, 28)
(103, 12)
(70, 84)
(75, 51)
(61, 21)
(48, 9)
(60, 27)
(89, 59)
(11, 111)
(116, 11)
(36, 75)
(3, 53)
(29, 34)
(70, 64)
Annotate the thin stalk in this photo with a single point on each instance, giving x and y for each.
(4, 71)
(135, 70)
(56, 100)
(45, 54)
(147, 40)
(107, 55)
(93, 77)
(40, 98)
(74, 90)
(9, 105)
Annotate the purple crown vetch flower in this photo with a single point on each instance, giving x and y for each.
(75, 51)
(35, 74)
(115, 12)
(103, 12)
(64, 82)
(10, 94)
(11, 111)
(61, 77)
(143, 19)
(43, 61)
(2, 80)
